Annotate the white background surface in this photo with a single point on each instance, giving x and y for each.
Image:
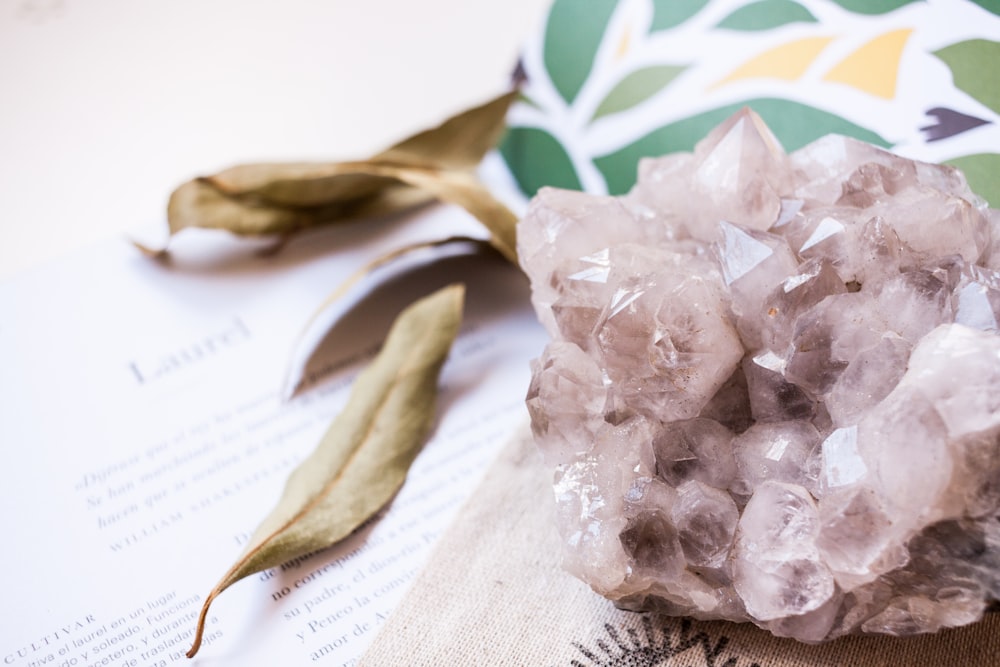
(107, 105)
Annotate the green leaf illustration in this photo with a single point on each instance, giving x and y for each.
(989, 5)
(973, 67)
(873, 6)
(362, 461)
(536, 159)
(637, 86)
(767, 14)
(572, 36)
(671, 13)
(982, 171)
(794, 124)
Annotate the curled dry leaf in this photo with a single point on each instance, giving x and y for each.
(363, 458)
(361, 273)
(465, 190)
(458, 143)
(284, 198)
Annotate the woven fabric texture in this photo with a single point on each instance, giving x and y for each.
(493, 593)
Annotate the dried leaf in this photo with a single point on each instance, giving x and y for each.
(201, 203)
(198, 203)
(362, 460)
(295, 184)
(465, 190)
(284, 198)
(391, 200)
(458, 143)
(357, 276)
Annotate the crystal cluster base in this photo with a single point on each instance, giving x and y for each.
(772, 392)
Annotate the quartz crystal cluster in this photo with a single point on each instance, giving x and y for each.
(772, 392)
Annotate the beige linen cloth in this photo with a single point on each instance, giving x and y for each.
(493, 593)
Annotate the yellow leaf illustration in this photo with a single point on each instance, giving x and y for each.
(874, 67)
(788, 61)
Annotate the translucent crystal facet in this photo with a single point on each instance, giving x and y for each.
(773, 389)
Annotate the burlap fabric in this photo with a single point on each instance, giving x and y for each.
(494, 594)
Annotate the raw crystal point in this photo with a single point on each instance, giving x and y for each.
(773, 389)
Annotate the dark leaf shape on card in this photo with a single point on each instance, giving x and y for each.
(671, 13)
(573, 35)
(537, 159)
(973, 69)
(873, 6)
(284, 198)
(982, 171)
(793, 123)
(767, 14)
(363, 459)
(948, 123)
(636, 87)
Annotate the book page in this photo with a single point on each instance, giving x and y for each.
(146, 435)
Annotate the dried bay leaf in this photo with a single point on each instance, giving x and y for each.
(458, 144)
(370, 267)
(198, 204)
(362, 460)
(284, 198)
(203, 203)
(298, 184)
(465, 190)
(461, 141)
(391, 199)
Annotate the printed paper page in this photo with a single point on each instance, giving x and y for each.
(146, 435)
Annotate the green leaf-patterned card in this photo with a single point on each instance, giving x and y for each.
(612, 82)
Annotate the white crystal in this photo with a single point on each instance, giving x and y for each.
(777, 569)
(842, 463)
(706, 520)
(826, 228)
(974, 308)
(777, 451)
(867, 380)
(740, 252)
(773, 390)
